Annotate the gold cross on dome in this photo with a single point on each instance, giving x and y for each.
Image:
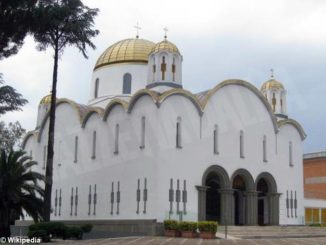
(165, 29)
(137, 27)
(272, 73)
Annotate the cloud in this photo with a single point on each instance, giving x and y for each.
(219, 39)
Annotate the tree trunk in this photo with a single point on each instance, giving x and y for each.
(50, 152)
(4, 223)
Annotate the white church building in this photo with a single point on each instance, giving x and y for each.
(144, 149)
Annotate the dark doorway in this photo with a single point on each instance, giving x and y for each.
(262, 189)
(213, 203)
(239, 187)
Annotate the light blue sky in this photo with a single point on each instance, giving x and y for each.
(218, 39)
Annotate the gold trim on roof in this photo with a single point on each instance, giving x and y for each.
(85, 112)
(46, 100)
(295, 124)
(128, 50)
(165, 45)
(272, 84)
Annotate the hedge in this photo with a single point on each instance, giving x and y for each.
(210, 226)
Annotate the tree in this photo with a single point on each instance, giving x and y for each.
(16, 19)
(19, 189)
(58, 24)
(10, 100)
(11, 135)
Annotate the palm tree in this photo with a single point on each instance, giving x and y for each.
(20, 189)
(58, 24)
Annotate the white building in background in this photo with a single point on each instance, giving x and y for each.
(144, 149)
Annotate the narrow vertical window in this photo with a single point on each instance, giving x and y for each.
(116, 139)
(142, 136)
(97, 84)
(241, 144)
(94, 145)
(44, 157)
(215, 136)
(163, 68)
(173, 70)
(290, 154)
(178, 133)
(264, 149)
(76, 149)
(126, 87)
(59, 153)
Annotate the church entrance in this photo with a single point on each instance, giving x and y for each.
(239, 187)
(262, 189)
(213, 200)
(215, 196)
(268, 200)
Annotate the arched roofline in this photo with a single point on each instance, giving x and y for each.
(249, 86)
(220, 172)
(96, 110)
(141, 93)
(295, 124)
(113, 103)
(73, 104)
(271, 183)
(249, 180)
(27, 136)
(179, 91)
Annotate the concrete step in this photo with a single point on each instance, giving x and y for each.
(273, 231)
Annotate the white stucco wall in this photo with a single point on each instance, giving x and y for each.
(232, 108)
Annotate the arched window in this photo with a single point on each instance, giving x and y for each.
(241, 144)
(116, 139)
(97, 84)
(290, 154)
(264, 149)
(215, 135)
(142, 136)
(178, 133)
(94, 145)
(126, 89)
(76, 149)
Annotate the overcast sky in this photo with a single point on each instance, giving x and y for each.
(218, 39)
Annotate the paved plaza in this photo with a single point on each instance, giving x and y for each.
(182, 241)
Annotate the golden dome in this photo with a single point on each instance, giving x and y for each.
(272, 84)
(128, 50)
(165, 45)
(46, 99)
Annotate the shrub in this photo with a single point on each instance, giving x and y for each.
(56, 229)
(86, 228)
(187, 226)
(39, 233)
(74, 231)
(210, 226)
(170, 224)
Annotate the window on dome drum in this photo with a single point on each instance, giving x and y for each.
(97, 84)
(116, 139)
(76, 149)
(142, 136)
(264, 149)
(173, 70)
(94, 145)
(241, 144)
(163, 68)
(290, 154)
(178, 133)
(126, 89)
(215, 139)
